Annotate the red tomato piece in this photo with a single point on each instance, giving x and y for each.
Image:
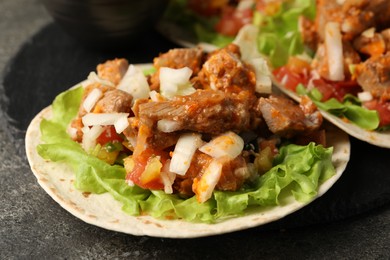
(337, 90)
(109, 135)
(232, 20)
(140, 163)
(383, 109)
(289, 79)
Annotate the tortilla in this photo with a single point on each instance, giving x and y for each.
(105, 212)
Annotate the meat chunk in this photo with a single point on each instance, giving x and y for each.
(225, 71)
(113, 70)
(287, 119)
(372, 45)
(205, 111)
(177, 59)
(114, 101)
(374, 76)
(354, 16)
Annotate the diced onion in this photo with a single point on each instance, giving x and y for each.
(72, 132)
(175, 82)
(263, 78)
(167, 177)
(89, 137)
(121, 124)
(184, 151)
(246, 40)
(103, 119)
(204, 187)
(168, 126)
(135, 83)
(369, 33)
(155, 96)
(365, 96)
(91, 99)
(228, 145)
(334, 50)
(94, 78)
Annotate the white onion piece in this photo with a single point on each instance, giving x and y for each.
(72, 132)
(204, 187)
(365, 96)
(246, 40)
(175, 82)
(168, 126)
(135, 83)
(121, 124)
(91, 119)
(167, 177)
(184, 151)
(91, 99)
(369, 33)
(89, 137)
(94, 78)
(228, 145)
(334, 50)
(263, 75)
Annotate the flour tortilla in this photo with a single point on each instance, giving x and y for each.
(104, 211)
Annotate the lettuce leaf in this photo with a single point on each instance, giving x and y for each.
(350, 108)
(279, 35)
(298, 170)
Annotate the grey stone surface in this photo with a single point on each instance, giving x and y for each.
(33, 226)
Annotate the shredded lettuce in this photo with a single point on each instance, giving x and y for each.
(298, 170)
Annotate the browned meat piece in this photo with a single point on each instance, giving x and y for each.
(320, 62)
(205, 111)
(113, 70)
(386, 37)
(224, 71)
(371, 46)
(308, 32)
(374, 76)
(232, 176)
(177, 59)
(354, 16)
(287, 119)
(114, 101)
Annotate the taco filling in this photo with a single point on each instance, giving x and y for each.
(337, 52)
(201, 130)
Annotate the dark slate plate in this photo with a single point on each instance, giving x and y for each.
(52, 62)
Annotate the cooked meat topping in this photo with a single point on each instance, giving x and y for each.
(374, 75)
(225, 71)
(177, 59)
(114, 101)
(286, 119)
(113, 70)
(205, 111)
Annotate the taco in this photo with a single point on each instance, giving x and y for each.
(199, 146)
(336, 53)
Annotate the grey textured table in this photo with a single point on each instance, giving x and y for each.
(33, 226)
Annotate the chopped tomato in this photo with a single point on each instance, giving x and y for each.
(109, 135)
(140, 163)
(336, 90)
(232, 20)
(289, 79)
(383, 109)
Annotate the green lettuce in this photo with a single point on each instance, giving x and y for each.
(298, 170)
(279, 35)
(350, 108)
